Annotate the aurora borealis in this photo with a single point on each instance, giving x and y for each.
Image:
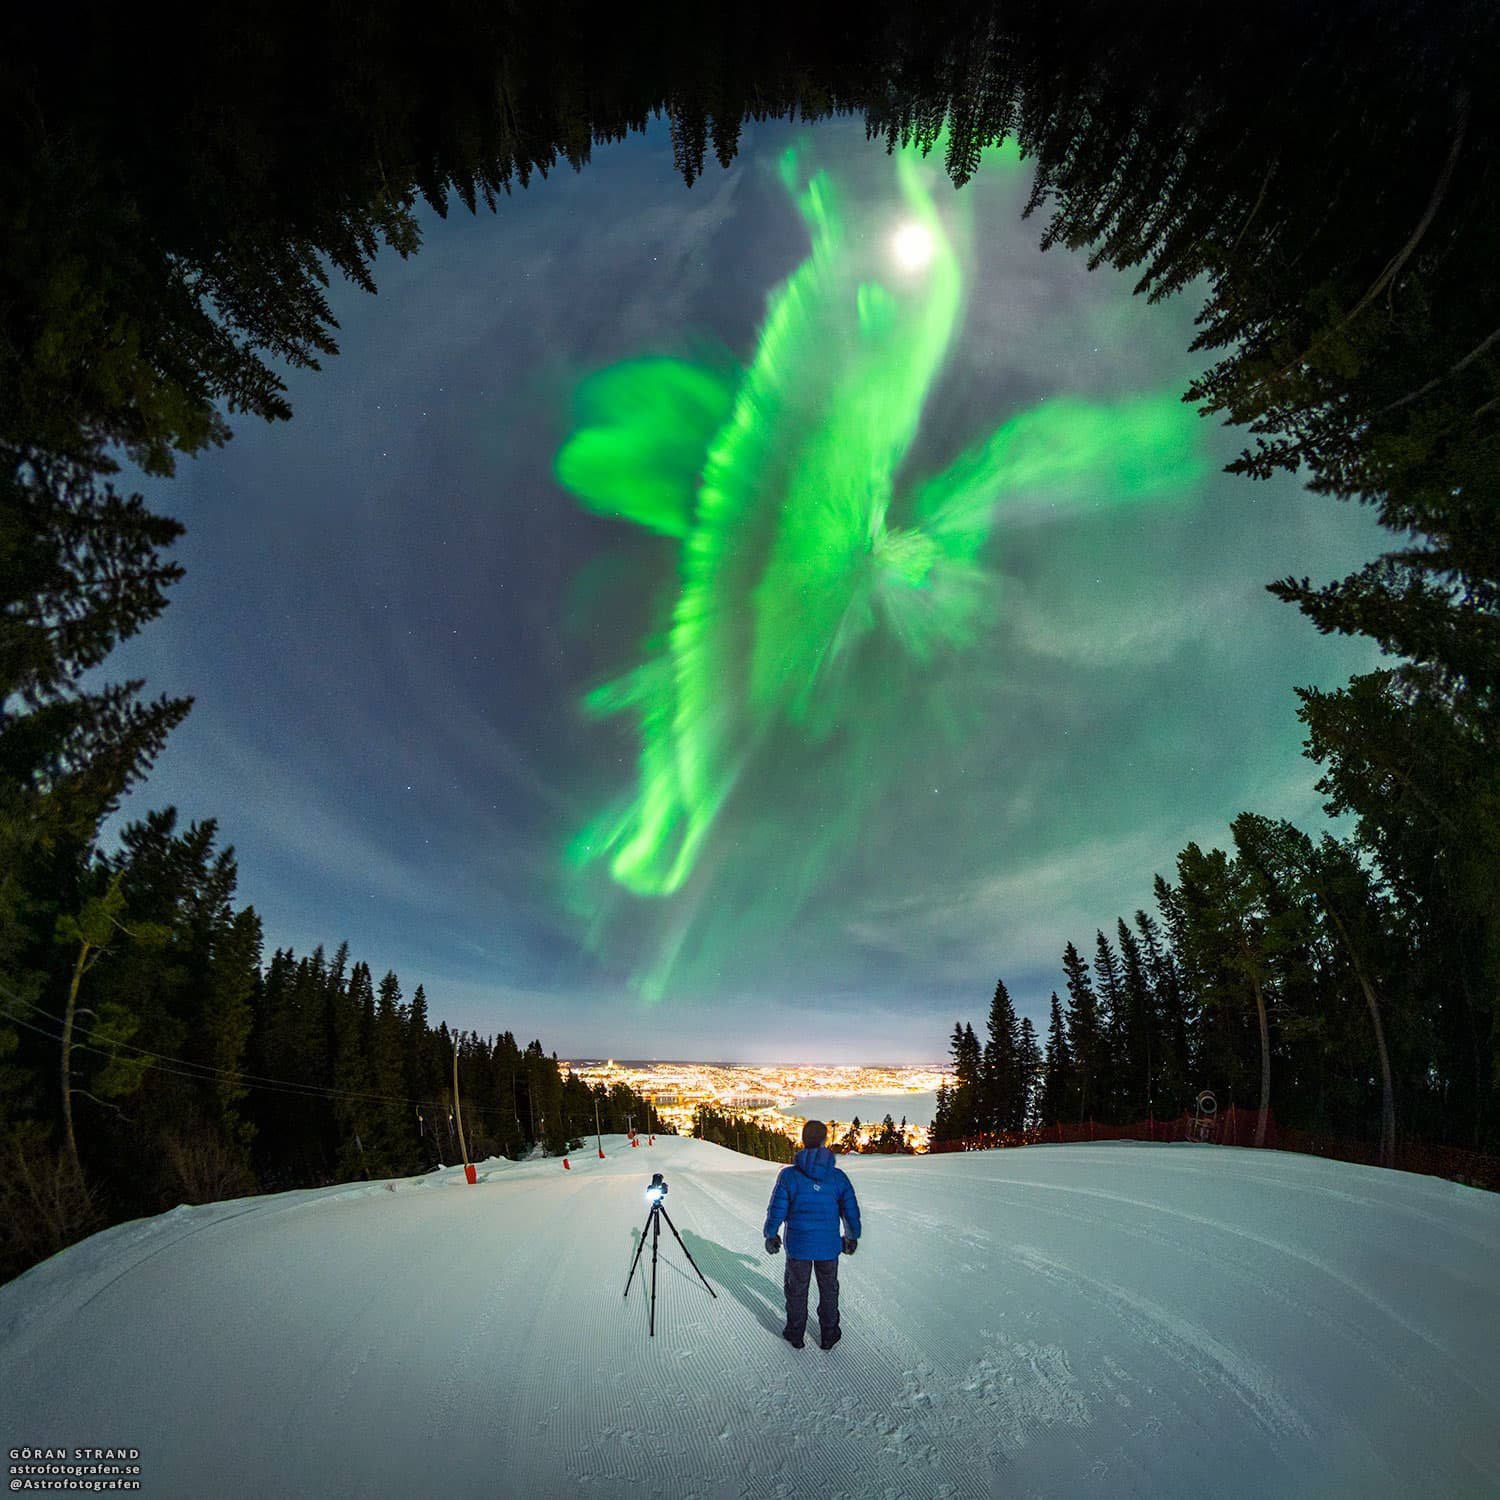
(736, 623)
(808, 586)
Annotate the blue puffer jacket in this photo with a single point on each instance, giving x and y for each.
(810, 1196)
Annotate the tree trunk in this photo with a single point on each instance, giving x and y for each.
(1479, 1083)
(67, 1058)
(1265, 1049)
(457, 1107)
(1150, 1101)
(1388, 1093)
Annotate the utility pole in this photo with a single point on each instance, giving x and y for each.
(468, 1169)
(598, 1134)
(437, 1139)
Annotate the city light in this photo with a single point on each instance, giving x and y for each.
(767, 1095)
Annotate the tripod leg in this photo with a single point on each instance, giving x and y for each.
(694, 1264)
(655, 1236)
(638, 1250)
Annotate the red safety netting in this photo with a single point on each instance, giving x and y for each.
(1237, 1127)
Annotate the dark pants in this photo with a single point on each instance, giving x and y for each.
(795, 1283)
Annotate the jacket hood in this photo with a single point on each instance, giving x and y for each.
(817, 1162)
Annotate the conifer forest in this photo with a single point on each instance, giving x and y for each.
(1323, 180)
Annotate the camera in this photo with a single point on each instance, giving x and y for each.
(658, 1189)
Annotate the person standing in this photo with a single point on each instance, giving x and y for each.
(810, 1197)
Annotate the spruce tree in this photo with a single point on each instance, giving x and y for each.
(1028, 1067)
(82, 571)
(1057, 1082)
(999, 1088)
(1422, 783)
(1110, 1066)
(1170, 1009)
(393, 1116)
(972, 1072)
(353, 1020)
(1225, 931)
(1140, 1051)
(965, 1100)
(1364, 928)
(1085, 1037)
(942, 1122)
(229, 1018)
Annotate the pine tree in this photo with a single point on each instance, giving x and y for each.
(999, 1098)
(1057, 1082)
(1420, 778)
(1028, 1067)
(1225, 932)
(958, 1103)
(1109, 1066)
(318, 1005)
(942, 1117)
(353, 1014)
(229, 1016)
(82, 571)
(1085, 1036)
(1363, 926)
(508, 1064)
(972, 1067)
(393, 1130)
(1170, 1008)
(1140, 1049)
(551, 1099)
(965, 1099)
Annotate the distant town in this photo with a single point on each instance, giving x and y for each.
(769, 1094)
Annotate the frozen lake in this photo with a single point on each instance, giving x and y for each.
(917, 1108)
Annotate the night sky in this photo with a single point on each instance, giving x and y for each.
(661, 658)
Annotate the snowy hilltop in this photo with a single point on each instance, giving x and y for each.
(1052, 1321)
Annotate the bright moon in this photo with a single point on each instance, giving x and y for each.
(913, 246)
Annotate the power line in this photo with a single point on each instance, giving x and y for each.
(298, 1090)
(207, 1073)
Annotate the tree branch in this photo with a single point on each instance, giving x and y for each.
(1250, 218)
(1447, 374)
(1439, 191)
(105, 1102)
(1393, 266)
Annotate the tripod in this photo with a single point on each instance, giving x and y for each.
(654, 1215)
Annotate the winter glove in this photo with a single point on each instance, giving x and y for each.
(773, 1244)
(850, 1245)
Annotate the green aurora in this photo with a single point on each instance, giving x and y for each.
(819, 589)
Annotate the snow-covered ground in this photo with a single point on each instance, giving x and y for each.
(1081, 1320)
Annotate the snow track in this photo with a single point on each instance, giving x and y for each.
(1059, 1321)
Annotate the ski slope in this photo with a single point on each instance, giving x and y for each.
(1101, 1320)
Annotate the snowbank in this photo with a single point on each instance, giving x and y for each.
(1079, 1320)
